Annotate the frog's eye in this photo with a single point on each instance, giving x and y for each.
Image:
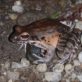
(24, 35)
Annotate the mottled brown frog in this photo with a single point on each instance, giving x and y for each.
(45, 38)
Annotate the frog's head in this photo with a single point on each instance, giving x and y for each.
(19, 34)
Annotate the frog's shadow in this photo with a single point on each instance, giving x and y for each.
(13, 32)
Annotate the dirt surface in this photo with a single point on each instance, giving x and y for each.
(14, 70)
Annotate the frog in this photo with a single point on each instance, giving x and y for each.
(45, 38)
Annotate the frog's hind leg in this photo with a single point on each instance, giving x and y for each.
(64, 59)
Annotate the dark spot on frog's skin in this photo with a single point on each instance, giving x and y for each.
(34, 37)
(48, 41)
(45, 51)
(42, 38)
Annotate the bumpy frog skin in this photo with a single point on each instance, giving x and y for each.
(49, 37)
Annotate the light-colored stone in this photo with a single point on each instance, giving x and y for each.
(67, 80)
(68, 67)
(41, 67)
(2, 79)
(4, 73)
(25, 62)
(79, 25)
(79, 77)
(3, 69)
(76, 62)
(58, 68)
(1, 23)
(13, 16)
(81, 39)
(81, 14)
(10, 80)
(78, 1)
(13, 75)
(73, 76)
(52, 76)
(80, 57)
(18, 7)
(18, 2)
(16, 65)
(7, 65)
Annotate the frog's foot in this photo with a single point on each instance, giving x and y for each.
(68, 57)
(39, 61)
(22, 44)
(64, 59)
(43, 59)
(72, 57)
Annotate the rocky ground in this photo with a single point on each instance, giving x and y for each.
(13, 66)
(22, 12)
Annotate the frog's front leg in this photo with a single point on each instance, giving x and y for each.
(44, 59)
(39, 61)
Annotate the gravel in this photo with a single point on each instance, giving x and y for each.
(76, 62)
(80, 57)
(68, 67)
(18, 7)
(13, 75)
(14, 67)
(41, 68)
(58, 68)
(52, 76)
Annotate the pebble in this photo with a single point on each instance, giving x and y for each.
(67, 80)
(4, 73)
(13, 75)
(80, 66)
(7, 65)
(52, 76)
(25, 62)
(2, 79)
(38, 7)
(13, 16)
(1, 23)
(81, 39)
(18, 7)
(78, 1)
(80, 57)
(76, 62)
(41, 67)
(79, 25)
(81, 14)
(79, 77)
(10, 80)
(58, 68)
(73, 76)
(16, 65)
(68, 67)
